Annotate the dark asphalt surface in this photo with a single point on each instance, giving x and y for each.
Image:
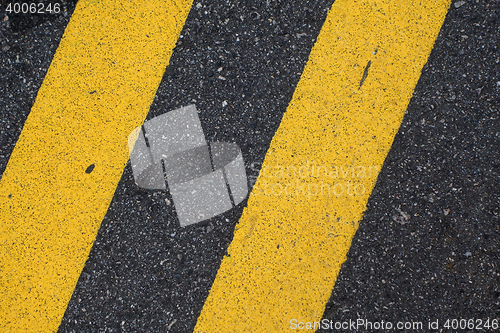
(428, 246)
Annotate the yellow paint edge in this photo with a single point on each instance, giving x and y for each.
(99, 87)
(322, 165)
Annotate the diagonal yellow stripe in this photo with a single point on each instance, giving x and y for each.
(99, 87)
(322, 165)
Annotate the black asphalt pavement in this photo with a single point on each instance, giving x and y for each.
(427, 248)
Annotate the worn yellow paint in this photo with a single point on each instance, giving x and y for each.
(98, 88)
(294, 235)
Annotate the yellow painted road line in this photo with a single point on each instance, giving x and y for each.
(98, 88)
(322, 165)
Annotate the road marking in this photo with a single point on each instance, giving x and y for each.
(294, 235)
(70, 156)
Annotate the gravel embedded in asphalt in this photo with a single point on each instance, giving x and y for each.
(427, 247)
